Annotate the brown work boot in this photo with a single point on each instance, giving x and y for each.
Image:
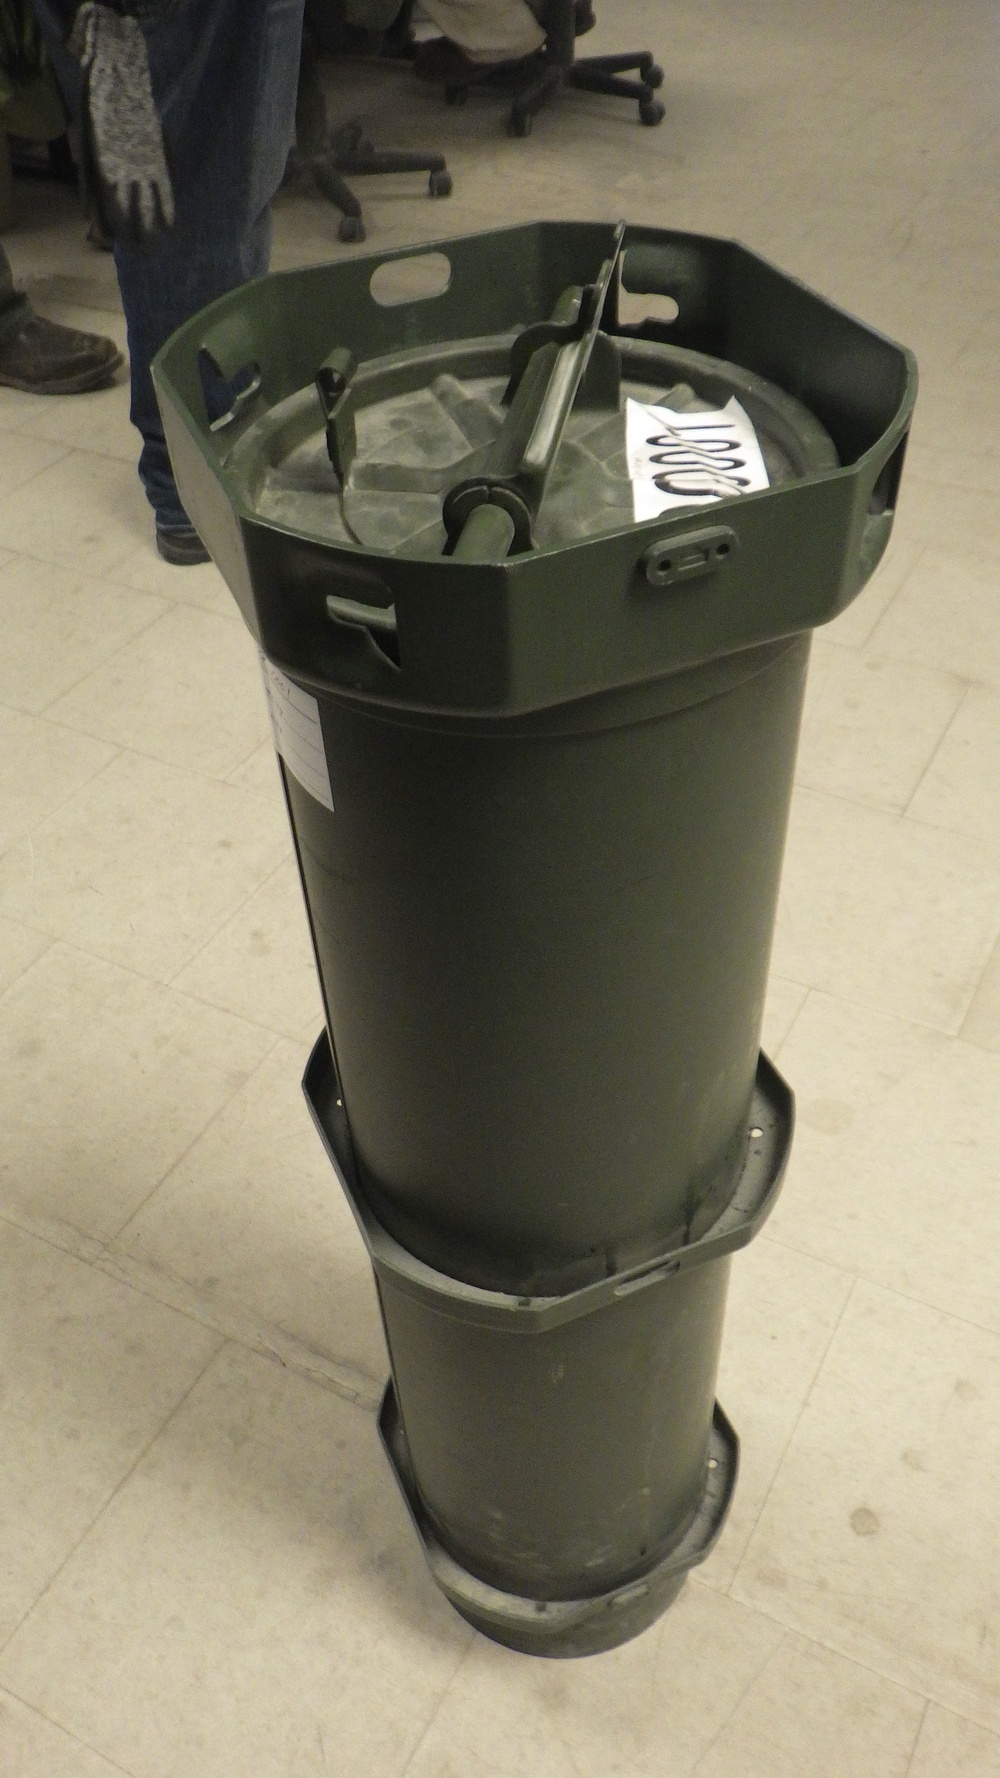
(46, 359)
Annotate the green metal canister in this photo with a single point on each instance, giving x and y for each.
(538, 760)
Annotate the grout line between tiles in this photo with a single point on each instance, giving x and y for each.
(880, 1668)
(6, 1641)
(816, 1641)
(887, 1012)
(807, 996)
(217, 1006)
(916, 1740)
(105, 660)
(881, 1012)
(848, 1299)
(947, 731)
(170, 600)
(113, 1764)
(62, 452)
(438, 1707)
(905, 1296)
(141, 975)
(740, 1701)
(71, 734)
(232, 1323)
(226, 923)
(49, 941)
(197, 1137)
(135, 751)
(89, 450)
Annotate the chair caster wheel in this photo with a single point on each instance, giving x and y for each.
(651, 112)
(520, 123)
(440, 185)
(351, 228)
(653, 78)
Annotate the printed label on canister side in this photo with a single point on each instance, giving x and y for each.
(298, 736)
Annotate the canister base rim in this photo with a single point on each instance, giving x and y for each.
(566, 1628)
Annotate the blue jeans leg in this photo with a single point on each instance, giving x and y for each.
(225, 77)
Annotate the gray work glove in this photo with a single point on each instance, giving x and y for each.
(127, 163)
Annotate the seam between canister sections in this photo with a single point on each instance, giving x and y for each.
(532, 726)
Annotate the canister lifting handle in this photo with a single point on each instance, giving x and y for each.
(548, 365)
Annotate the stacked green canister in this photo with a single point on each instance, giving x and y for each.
(538, 759)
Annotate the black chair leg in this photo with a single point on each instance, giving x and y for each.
(607, 74)
(555, 68)
(327, 155)
(531, 99)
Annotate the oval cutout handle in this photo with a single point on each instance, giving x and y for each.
(413, 278)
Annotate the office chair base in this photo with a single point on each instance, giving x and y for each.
(328, 157)
(535, 83)
(349, 152)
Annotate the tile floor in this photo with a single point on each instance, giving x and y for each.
(205, 1568)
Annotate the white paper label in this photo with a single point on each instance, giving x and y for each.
(298, 736)
(690, 459)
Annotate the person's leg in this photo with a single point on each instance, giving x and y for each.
(42, 358)
(225, 76)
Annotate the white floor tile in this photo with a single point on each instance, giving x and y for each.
(961, 787)
(649, 1708)
(98, 1370)
(879, 1537)
(812, 1711)
(956, 432)
(200, 585)
(260, 773)
(782, 1313)
(886, 911)
(145, 864)
(58, 625)
(871, 725)
(944, 614)
(97, 421)
(19, 948)
(893, 1171)
(951, 1747)
(186, 691)
(854, 626)
(106, 1079)
(979, 361)
(253, 1601)
(254, 1214)
(29, 1744)
(21, 459)
(42, 765)
(982, 1021)
(960, 524)
(261, 964)
(781, 1008)
(85, 511)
